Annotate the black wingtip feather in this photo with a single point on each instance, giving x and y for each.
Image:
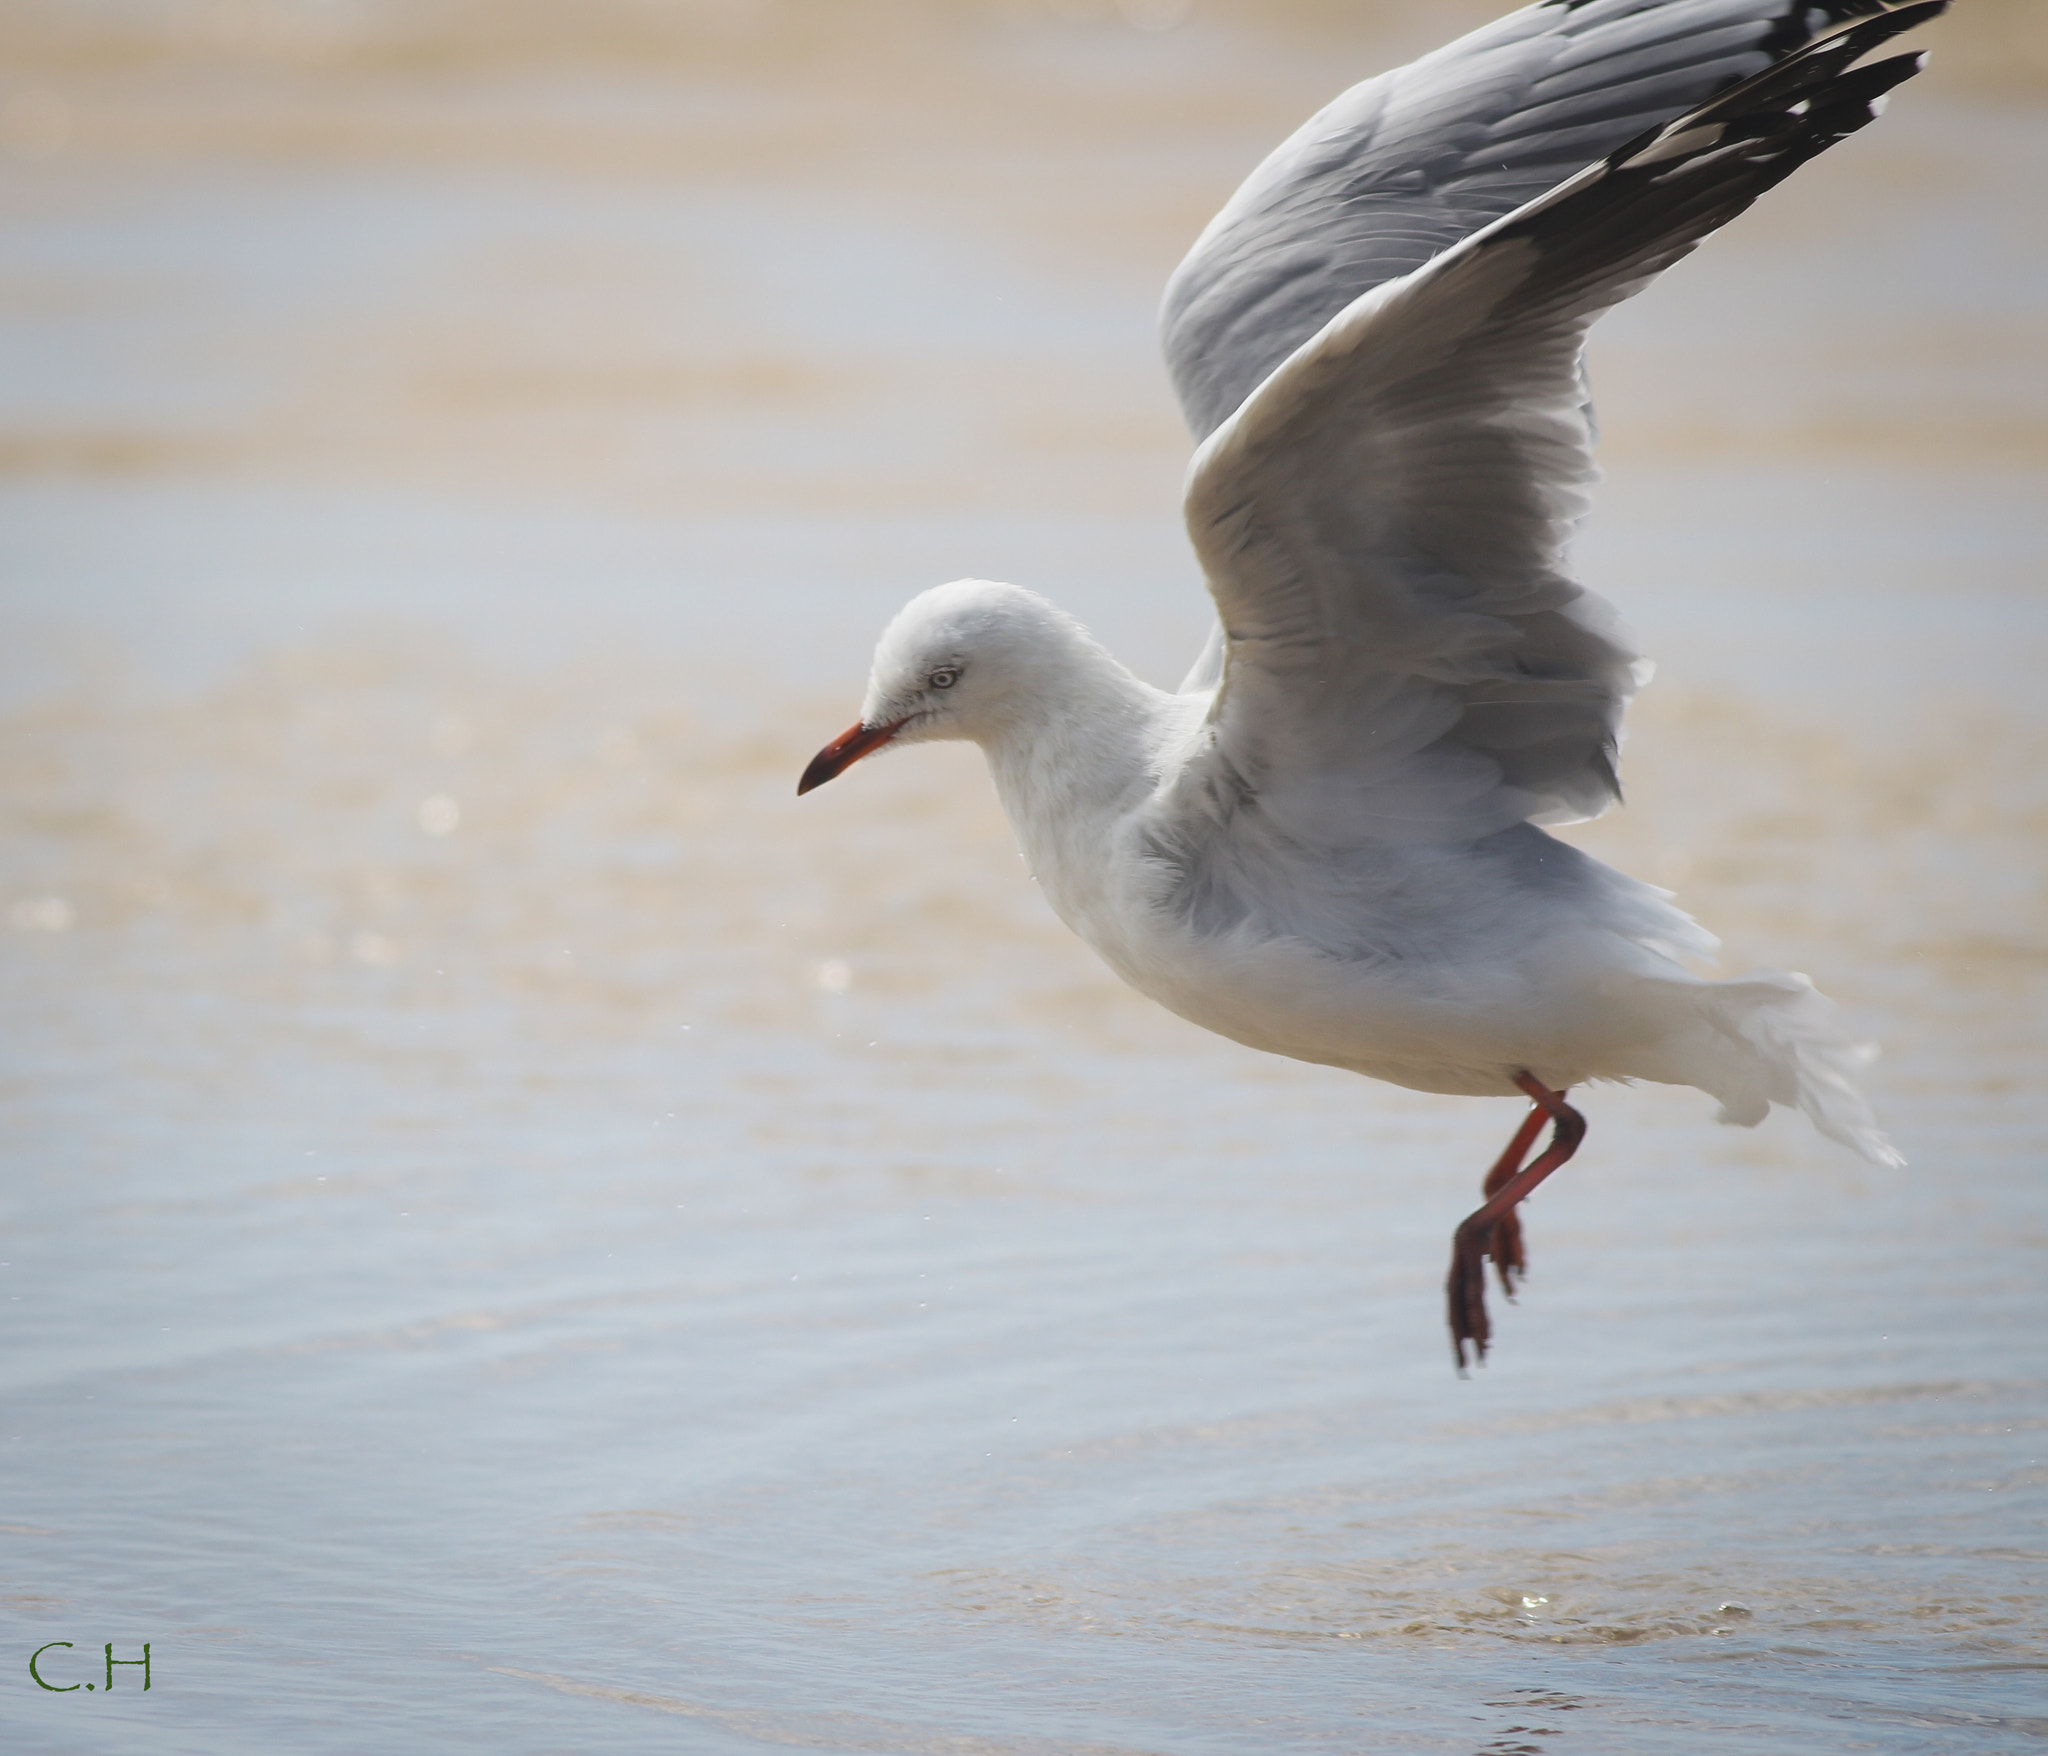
(1816, 66)
(1788, 113)
(1603, 233)
(1795, 26)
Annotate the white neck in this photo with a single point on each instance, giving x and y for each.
(1085, 754)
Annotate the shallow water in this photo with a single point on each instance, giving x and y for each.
(528, 1238)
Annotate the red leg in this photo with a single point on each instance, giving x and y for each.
(1475, 1238)
(1505, 1246)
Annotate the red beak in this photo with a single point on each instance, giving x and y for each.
(844, 751)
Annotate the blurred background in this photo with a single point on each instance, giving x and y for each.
(526, 1237)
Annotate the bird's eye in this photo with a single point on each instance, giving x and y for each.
(944, 677)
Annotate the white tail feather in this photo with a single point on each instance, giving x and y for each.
(1773, 1039)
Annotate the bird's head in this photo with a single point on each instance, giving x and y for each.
(959, 661)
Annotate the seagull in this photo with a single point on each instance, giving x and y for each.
(1329, 842)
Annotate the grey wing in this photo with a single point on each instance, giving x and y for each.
(1383, 520)
(1403, 166)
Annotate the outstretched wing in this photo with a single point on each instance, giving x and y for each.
(1405, 165)
(1383, 519)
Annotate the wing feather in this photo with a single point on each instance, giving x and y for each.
(1404, 165)
(1383, 521)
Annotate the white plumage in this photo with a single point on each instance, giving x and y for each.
(1326, 843)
